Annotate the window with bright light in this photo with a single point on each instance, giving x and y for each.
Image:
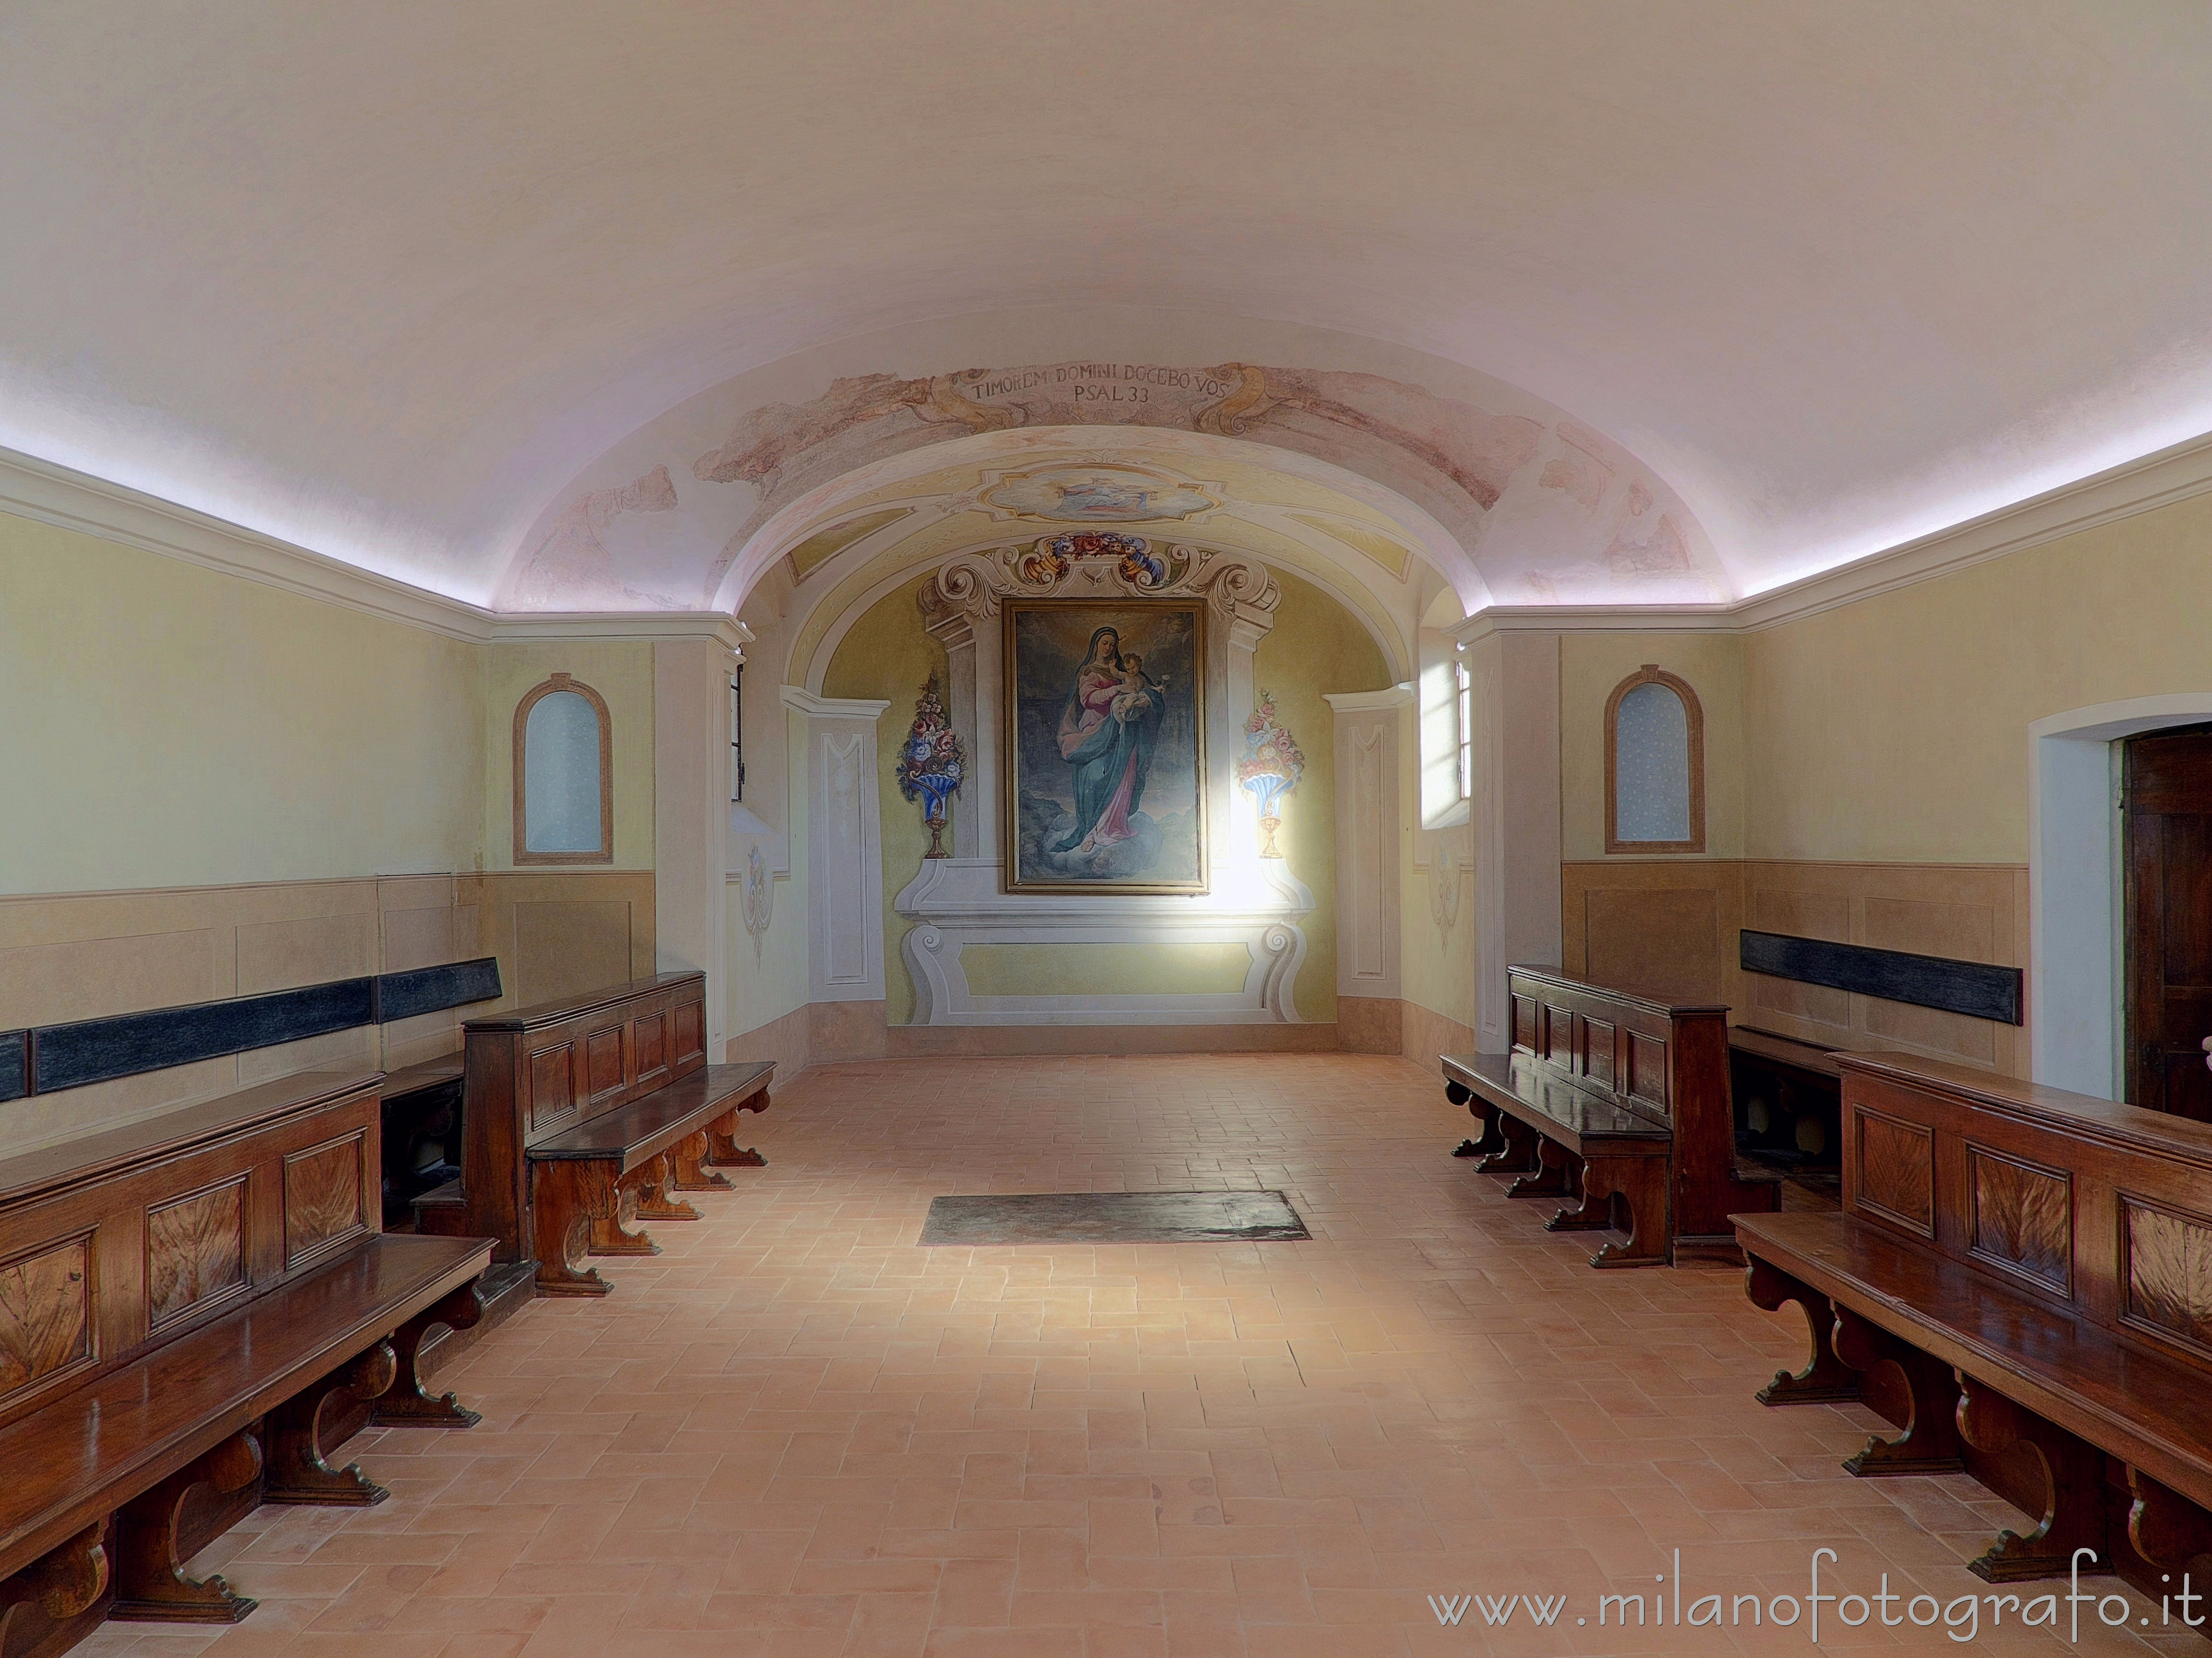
(1463, 705)
(738, 732)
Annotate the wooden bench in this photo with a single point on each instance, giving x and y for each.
(1786, 1093)
(422, 1121)
(195, 1313)
(1623, 1102)
(1556, 1138)
(2016, 1267)
(584, 1114)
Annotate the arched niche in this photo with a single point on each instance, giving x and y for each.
(1655, 765)
(564, 790)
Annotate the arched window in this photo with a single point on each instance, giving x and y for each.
(1655, 765)
(564, 789)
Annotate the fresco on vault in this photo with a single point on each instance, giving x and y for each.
(572, 557)
(1570, 513)
(1105, 727)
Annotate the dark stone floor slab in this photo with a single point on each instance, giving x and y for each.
(1115, 1218)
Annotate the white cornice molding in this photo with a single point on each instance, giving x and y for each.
(70, 500)
(1396, 697)
(2142, 485)
(2172, 475)
(516, 626)
(831, 708)
(1593, 618)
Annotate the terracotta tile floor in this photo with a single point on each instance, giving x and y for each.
(797, 1434)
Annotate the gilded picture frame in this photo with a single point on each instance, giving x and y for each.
(1106, 788)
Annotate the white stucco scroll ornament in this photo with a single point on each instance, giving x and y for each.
(1091, 564)
(758, 894)
(1251, 900)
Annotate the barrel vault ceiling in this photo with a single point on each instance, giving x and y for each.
(555, 306)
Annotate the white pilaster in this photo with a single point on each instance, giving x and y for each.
(844, 861)
(1515, 817)
(1367, 837)
(690, 807)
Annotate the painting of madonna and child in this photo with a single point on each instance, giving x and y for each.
(1108, 740)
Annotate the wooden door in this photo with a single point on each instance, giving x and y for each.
(2167, 799)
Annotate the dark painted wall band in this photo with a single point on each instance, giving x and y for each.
(14, 1063)
(101, 1050)
(433, 989)
(55, 1057)
(1974, 988)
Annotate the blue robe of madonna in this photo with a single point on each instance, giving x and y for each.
(1102, 759)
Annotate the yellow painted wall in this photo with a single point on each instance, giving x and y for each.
(1159, 970)
(1590, 665)
(169, 726)
(887, 655)
(1316, 647)
(1895, 729)
(621, 671)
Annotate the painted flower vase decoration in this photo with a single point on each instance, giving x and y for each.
(932, 764)
(1269, 770)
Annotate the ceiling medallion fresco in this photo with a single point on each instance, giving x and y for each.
(1097, 495)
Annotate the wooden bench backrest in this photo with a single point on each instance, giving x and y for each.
(539, 1071)
(563, 1063)
(113, 1245)
(2105, 1209)
(1623, 1047)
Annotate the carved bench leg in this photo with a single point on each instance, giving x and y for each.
(652, 1184)
(560, 1202)
(299, 1469)
(407, 1403)
(2170, 1532)
(1517, 1153)
(722, 1145)
(2073, 1498)
(1825, 1376)
(608, 1209)
(1553, 1178)
(1930, 1443)
(686, 1161)
(1594, 1214)
(1487, 1139)
(63, 1583)
(1641, 1184)
(150, 1585)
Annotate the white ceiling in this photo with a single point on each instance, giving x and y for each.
(386, 278)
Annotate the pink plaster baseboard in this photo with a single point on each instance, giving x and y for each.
(845, 1030)
(1370, 1024)
(784, 1041)
(1428, 1034)
(916, 1041)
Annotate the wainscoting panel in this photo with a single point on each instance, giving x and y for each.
(1642, 923)
(72, 956)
